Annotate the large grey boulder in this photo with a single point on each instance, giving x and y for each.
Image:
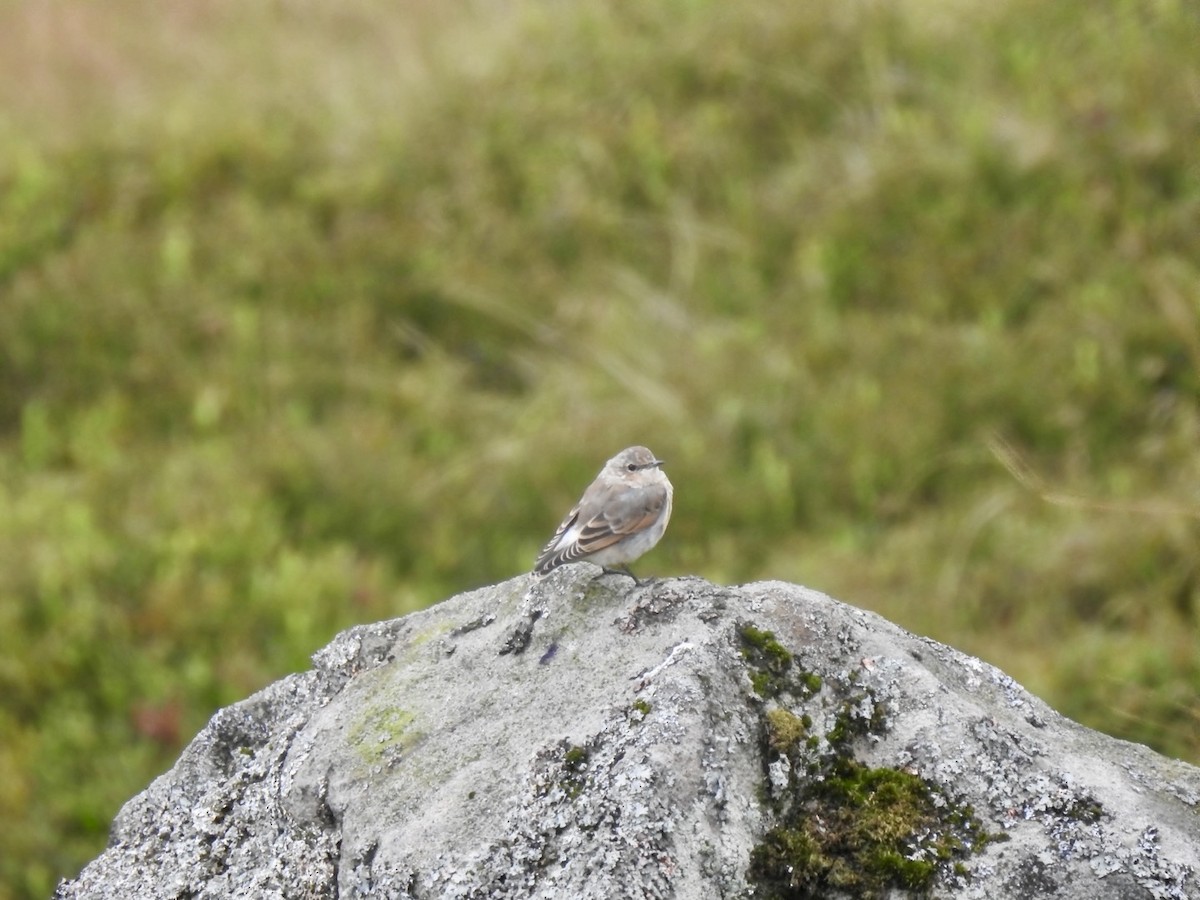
(583, 737)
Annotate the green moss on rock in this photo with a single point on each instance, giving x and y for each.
(575, 761)
(760, 648)
(842, 828)
(784, 730)
(771, 665)
(859, 716)
(861, 831)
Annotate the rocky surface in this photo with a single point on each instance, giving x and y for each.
(581, 736)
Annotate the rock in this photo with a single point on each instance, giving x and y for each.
(584, 737)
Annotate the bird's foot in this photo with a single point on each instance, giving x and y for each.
(625, 570)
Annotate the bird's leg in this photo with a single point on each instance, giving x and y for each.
(623, 570)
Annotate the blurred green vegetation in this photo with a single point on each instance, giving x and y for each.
(311, 317)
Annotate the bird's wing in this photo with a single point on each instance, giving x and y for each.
(549, 558)
(600, 520)
(622, 515)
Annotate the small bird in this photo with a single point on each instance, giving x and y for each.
(621, 515)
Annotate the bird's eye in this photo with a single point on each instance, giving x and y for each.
(631, 467)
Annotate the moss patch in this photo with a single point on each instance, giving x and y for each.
(842, 828)
(860, 715)
(861, 831)
(575, 761)
(785, 730)
(771, 666)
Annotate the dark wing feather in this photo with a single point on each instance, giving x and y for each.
(548, 559)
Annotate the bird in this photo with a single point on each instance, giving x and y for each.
(621, 515)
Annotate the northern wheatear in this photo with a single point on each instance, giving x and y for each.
(621, 515)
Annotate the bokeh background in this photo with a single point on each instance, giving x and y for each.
(315, 313)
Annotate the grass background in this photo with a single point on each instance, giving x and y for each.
(314, 314)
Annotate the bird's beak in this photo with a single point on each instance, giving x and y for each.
(658, 463)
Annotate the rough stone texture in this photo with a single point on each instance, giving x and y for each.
(617, 748)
